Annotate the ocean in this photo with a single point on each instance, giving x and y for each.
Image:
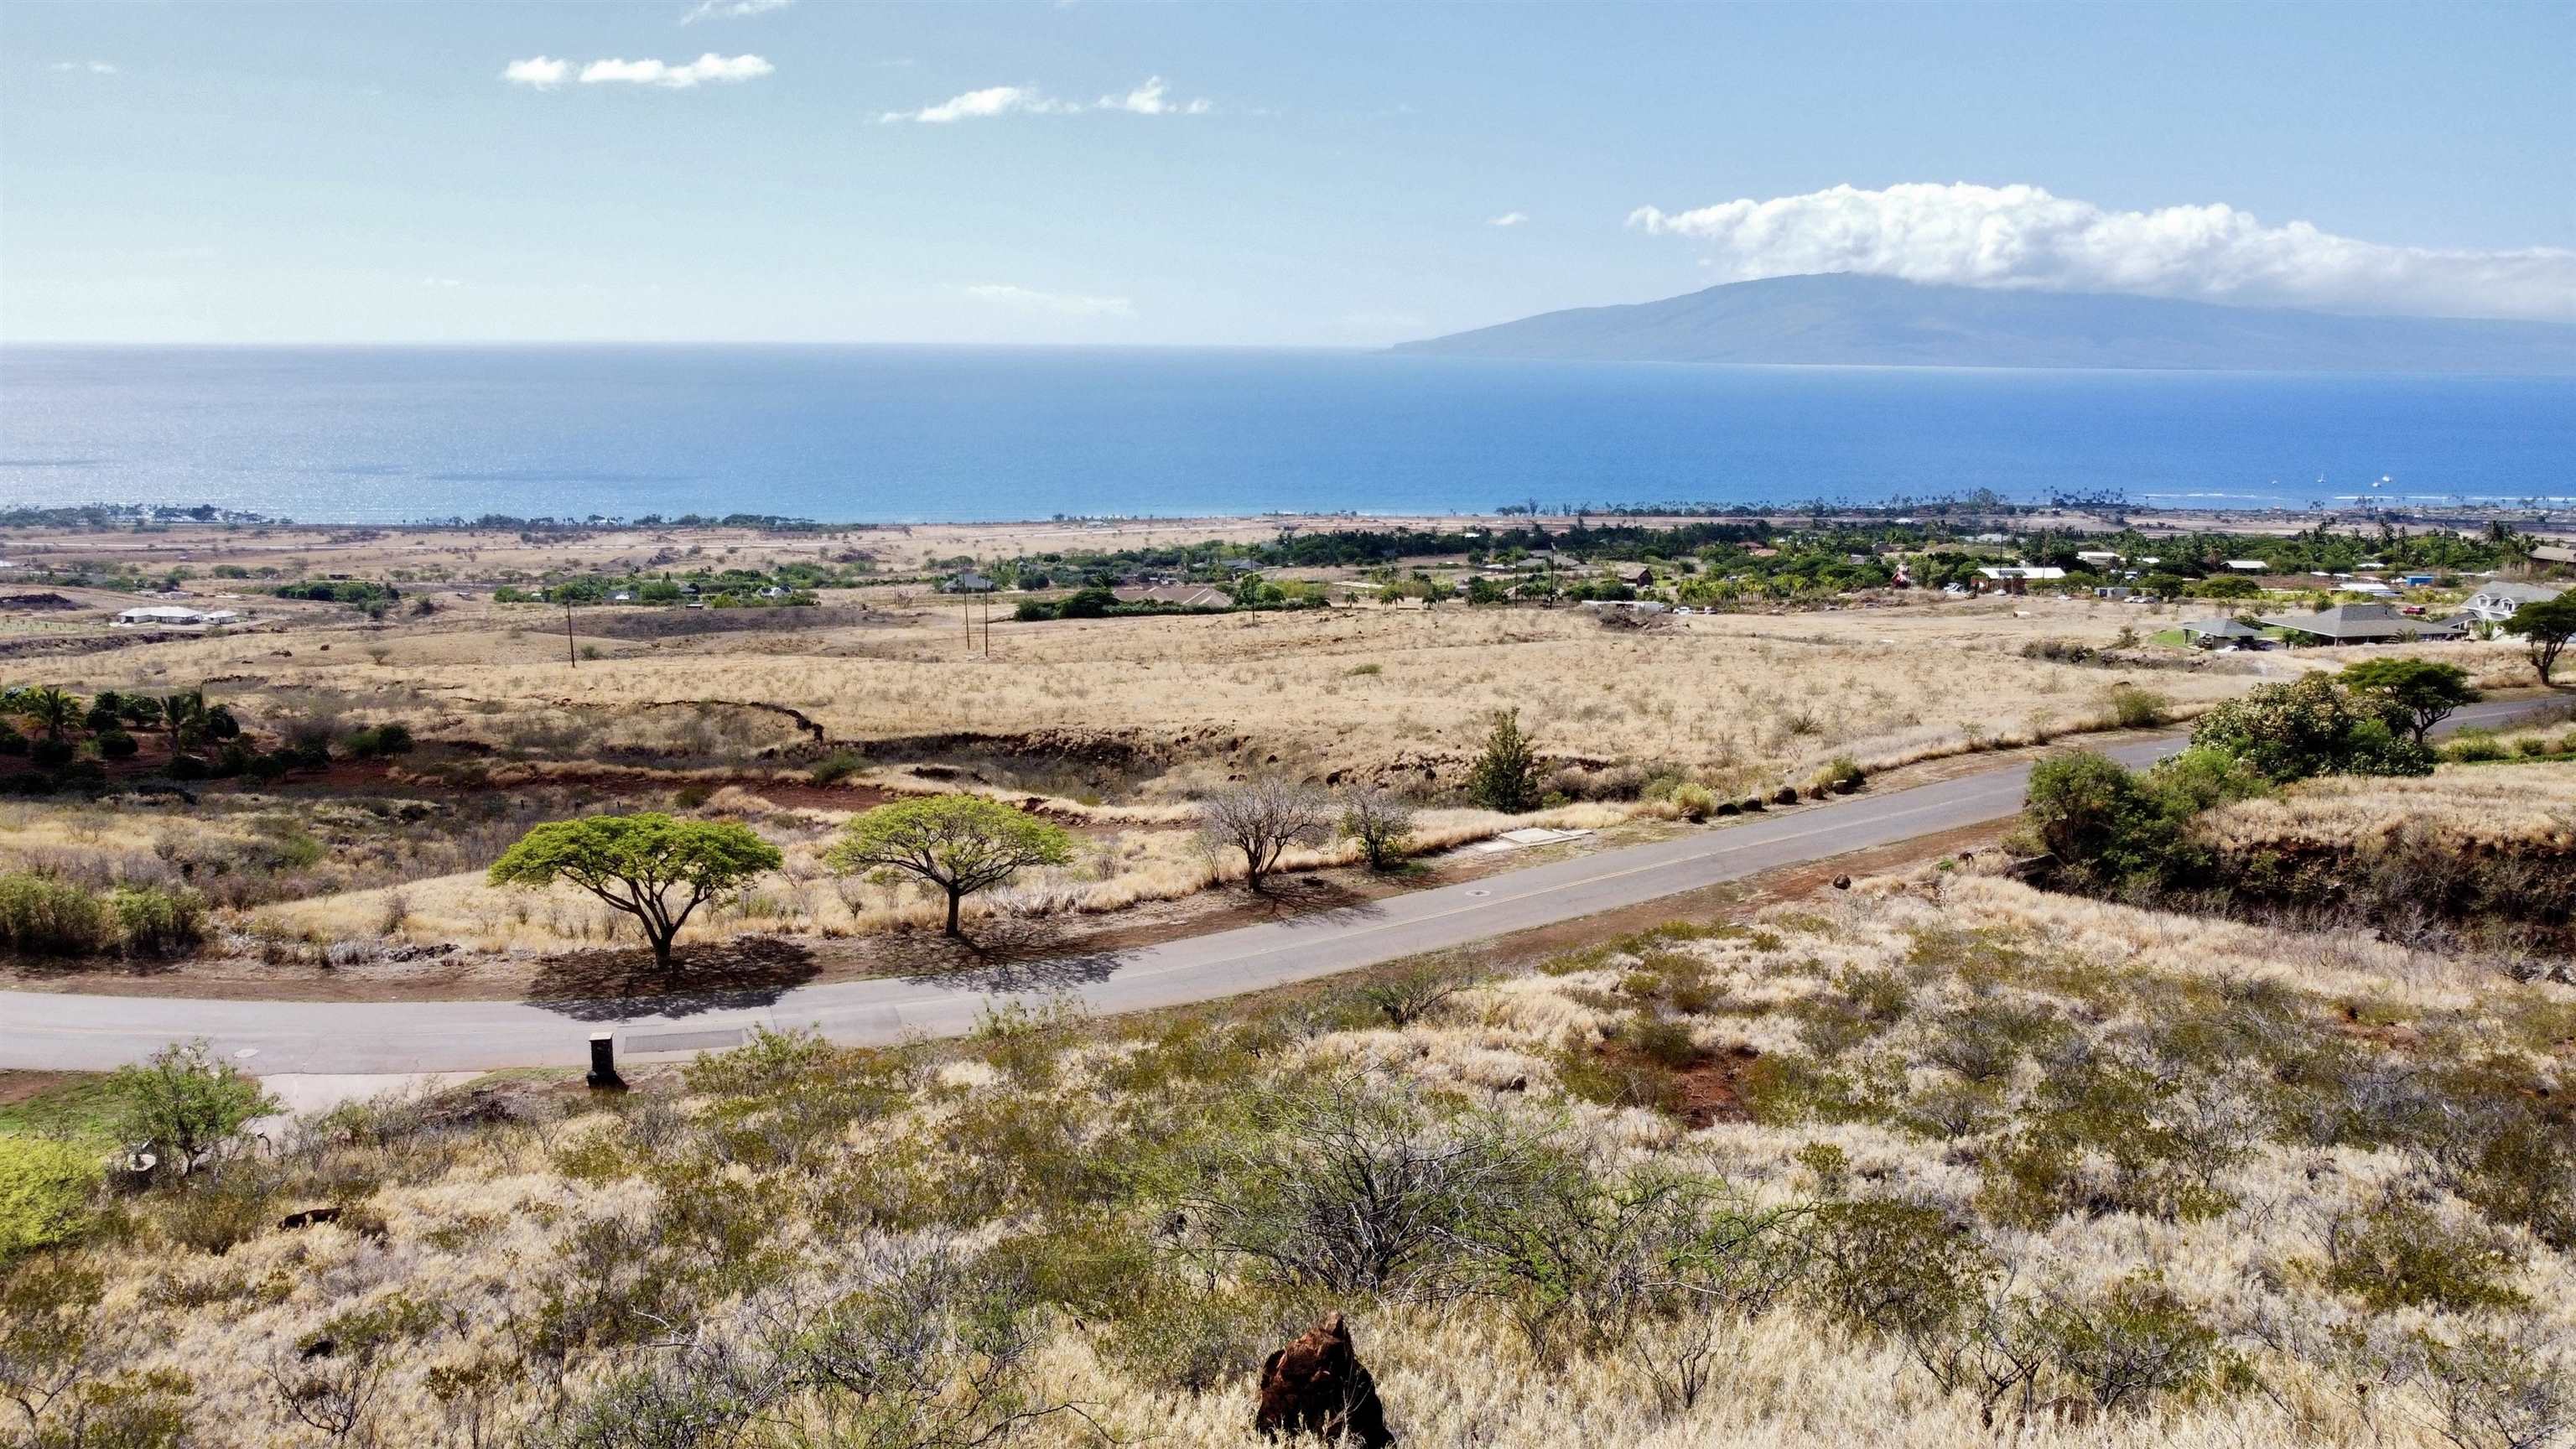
(942, 434)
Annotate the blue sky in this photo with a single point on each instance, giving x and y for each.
(1305, 174)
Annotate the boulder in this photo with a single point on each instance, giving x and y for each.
(1317, 1385)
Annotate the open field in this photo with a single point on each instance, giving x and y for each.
(793, 718)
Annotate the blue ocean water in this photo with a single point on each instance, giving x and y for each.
(930, 434)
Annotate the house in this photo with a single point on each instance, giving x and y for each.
(967, 582)
(2221, 634)
(2372, 587)
(2554, 553)
(2415, 581)
(2015, 578)
(2365, 624)
(1187, 596)
(2494, 603)
(172, 616)
(2247, 565)
(2097, 557)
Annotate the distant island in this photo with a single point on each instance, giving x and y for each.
(1846, 320)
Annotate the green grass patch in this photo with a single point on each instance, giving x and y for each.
(76, 1106)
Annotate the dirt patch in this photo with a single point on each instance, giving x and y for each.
(1711, 1090)
(19, 1084)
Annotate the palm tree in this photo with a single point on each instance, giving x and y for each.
(53, 709)
(184, 715)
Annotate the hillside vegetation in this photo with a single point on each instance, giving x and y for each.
(1945, 1160)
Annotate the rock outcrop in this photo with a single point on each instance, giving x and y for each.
(1317, 1385)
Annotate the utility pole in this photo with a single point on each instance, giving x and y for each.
(571, 656)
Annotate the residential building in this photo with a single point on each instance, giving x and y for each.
(2495, 601)
(2365, 624)
(2221, 634)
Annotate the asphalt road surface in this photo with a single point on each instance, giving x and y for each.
(72, 1032)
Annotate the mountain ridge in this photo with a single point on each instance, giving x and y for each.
(1846, 319)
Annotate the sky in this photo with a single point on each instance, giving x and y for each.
(1244, 173)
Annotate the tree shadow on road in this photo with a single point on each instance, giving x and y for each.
(1309, 901)
(1002, 953)
(745, 971)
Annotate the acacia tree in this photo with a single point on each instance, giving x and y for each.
(2545, 626)
(2413, 694)
(639, 863)
(184, 1105)
(957, 844)
(1260, 819)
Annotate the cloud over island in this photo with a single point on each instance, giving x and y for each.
(2026, 237)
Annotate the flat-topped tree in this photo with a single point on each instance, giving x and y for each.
(957, 844)
(2413, 694)
(2546, 626)
(639, 863)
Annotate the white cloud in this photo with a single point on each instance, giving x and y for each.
(708, 67)
(2024, 237)
(91, 67)
(1003, 294)
(732, 9)
(990, 101)
(541, 71)
(1509, 218)
(1147, 100)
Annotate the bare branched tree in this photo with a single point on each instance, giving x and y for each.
(1380, 822)
(1261, 819)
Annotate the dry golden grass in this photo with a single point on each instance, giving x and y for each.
(487, 1229)
(2518, 805)
(1396, 694)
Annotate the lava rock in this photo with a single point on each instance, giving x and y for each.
(1317, 1385)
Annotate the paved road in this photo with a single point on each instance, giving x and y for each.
(70, 1032)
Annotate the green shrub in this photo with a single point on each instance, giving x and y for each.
(1506, 775)
(378, 741)
(2131, 1344)
(1840, 775)
(835, 767)
(2312, 725)
(1695, 802)
(117, 745)
(50, 754)
(154, 921)
(2133, 708)
(2404, 1257)
(41, 916)
(45, 1187)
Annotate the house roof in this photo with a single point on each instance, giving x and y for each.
(2555, 553)
(1190, 596)
(2223, 629)
(2519, 593)
(2362, 621)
